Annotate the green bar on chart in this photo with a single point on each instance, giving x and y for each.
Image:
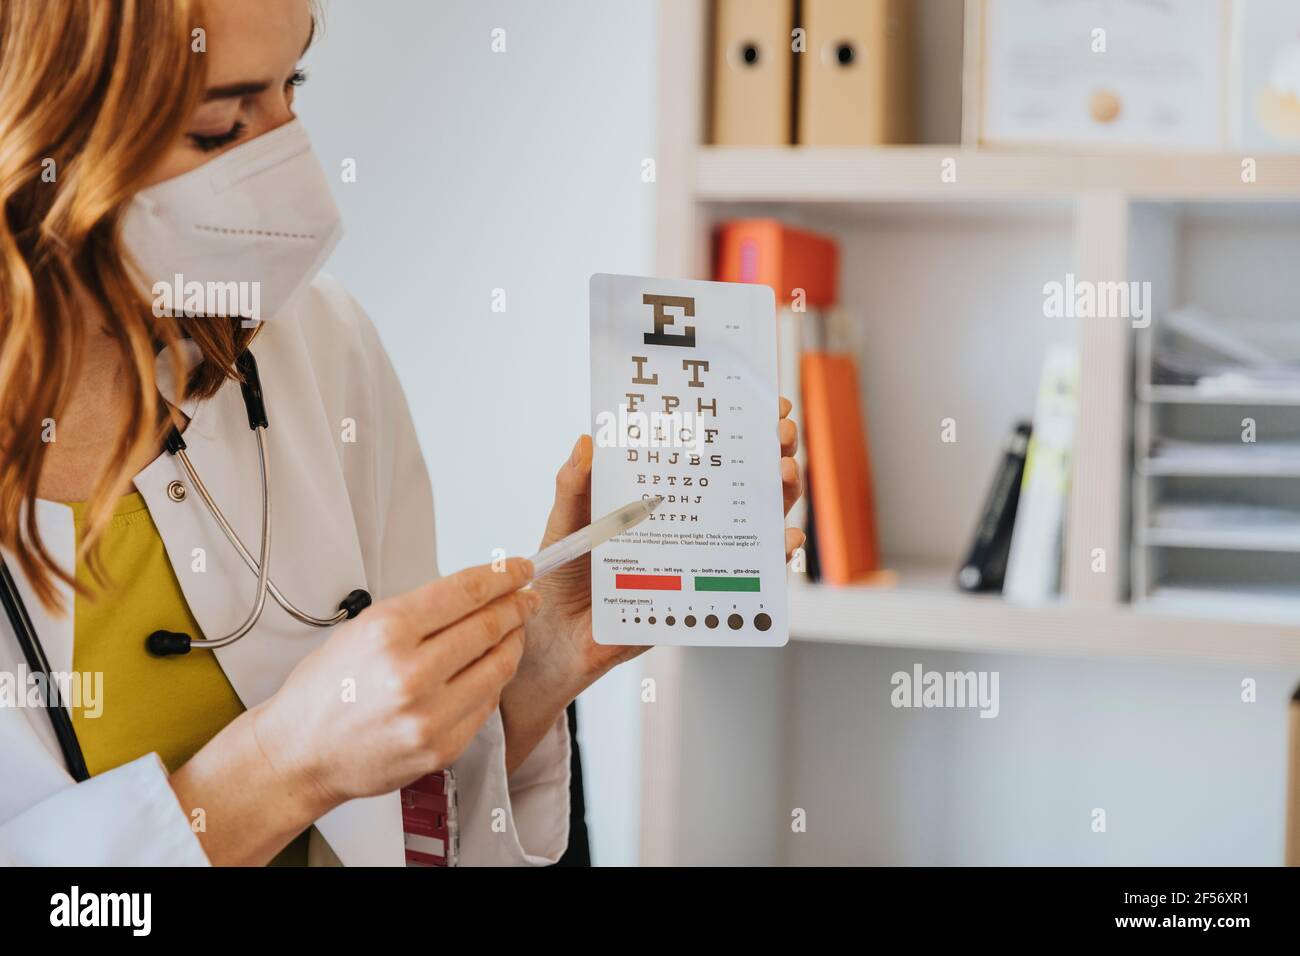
(705, 583)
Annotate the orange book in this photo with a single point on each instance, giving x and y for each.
(767, 251)
(839, 469)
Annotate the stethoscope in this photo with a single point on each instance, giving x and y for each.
(170, 643)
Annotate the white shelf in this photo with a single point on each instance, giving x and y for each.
(1230, 539)
(1192, 395)
(1158, 467)
(926, 610)
(875, 174)
(1263, 606)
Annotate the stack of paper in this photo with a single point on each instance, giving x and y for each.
(1197, 349)
(1172, 456)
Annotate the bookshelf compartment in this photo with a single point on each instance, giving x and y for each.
(1235, 260)
(1223, 514)
(930, 105)
(934, 297)
(935, 303)
(1216, 517)
(1269, 575)
(1267, 423)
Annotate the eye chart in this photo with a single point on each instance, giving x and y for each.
(684, 406)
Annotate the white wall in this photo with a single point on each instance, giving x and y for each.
(477, 171)
(1187, 773)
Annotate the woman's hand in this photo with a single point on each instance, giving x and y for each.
(391, 696)
(402, 690)
(562, 658)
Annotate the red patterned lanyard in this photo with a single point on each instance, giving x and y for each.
(429, 821)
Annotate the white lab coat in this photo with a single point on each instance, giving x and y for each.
(352, 507)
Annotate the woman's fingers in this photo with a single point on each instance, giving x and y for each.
(794, 539)
(461, 735)
(572, 507)
(444, 601)
(784, 405)
(476, 691)
(791, 484)
(486, 677)
(788, 432)
(459, 646)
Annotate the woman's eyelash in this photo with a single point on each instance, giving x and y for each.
(210, 143)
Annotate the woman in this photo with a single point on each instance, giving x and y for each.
(147, 146)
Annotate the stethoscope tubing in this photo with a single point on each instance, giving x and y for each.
(263, 567)
(265, 584)
(21, 622)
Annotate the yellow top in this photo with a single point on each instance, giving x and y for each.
(168, 705)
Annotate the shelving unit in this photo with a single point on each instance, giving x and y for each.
(800, 174)
(1189, 457)
(1287, 540)
(1155, 467)
(926, 611)
(1191, 395)
(944, 286)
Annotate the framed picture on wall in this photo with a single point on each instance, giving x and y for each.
(1105, 73)
(1264, 92)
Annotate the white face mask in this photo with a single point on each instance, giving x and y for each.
(240, 235)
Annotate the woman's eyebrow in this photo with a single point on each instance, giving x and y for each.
(236, 90)
(253, 87)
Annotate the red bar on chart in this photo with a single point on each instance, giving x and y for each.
(647, 582)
